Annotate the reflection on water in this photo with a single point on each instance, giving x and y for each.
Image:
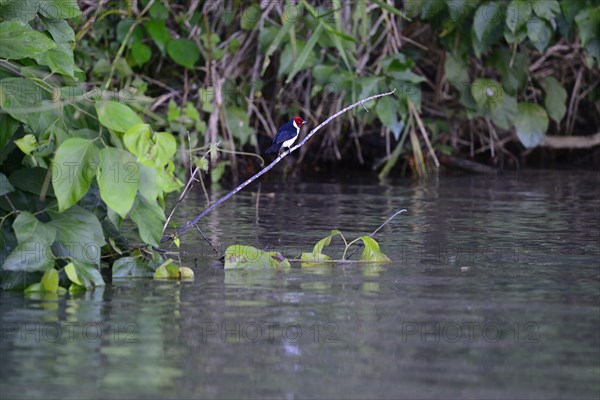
(493, 293)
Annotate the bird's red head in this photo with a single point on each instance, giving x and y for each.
(298, 121)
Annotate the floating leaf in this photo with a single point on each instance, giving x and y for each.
(248, 257)
(71, 272)
(50, 280)
(317, 255)
(167, 270)
(186, 273)
(372, 252)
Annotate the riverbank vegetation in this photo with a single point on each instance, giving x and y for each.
(107, 106)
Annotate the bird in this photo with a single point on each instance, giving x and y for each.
(286, 135)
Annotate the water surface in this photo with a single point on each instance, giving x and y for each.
(493, 292)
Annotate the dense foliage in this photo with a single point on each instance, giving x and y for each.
(106, 104)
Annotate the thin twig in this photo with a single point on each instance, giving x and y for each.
(193, 222)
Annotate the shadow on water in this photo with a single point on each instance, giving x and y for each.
(493, 293)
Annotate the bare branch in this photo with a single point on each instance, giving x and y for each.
(194, 221)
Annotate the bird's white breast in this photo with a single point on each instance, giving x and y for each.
(288, 143)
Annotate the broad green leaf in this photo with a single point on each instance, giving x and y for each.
(504, 116)
(148, 216)
(163, 149)
(186, 274)
(118, 179)
(149, 182)
(518, 13)
(24, 100)
(238, 124)
(540, 33)
(159, 11)
(555, 99)
(546, 9)
(131, 267)
(317, 256)
(58, 9)
(184, 52)
(71, 272)
(275, 44)
(59, 60)
(159, 33)
(8, 127)
(456, 71)
(60, 30)
(531, 124)
(387, 111)
(5, 186)
(302, 60)
(33, 252)
(18, 40)
(588, 22)
(36, 287)
(167, 270)
(488, 94)
(140, 53)
(248, 257)
(372, 252)
(79, 235)
(137, 140)
(27, 143)
(487, 16)
(50, 280)
(117, 116)
(73, 169)
(288, 61)
(87, 274)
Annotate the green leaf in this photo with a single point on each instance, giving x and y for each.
(159, 11)
(60, 30)
(588, 22)
(27, 143)
(149, 184)
(148, 216)
(18, 41)
(372, 252)
(238, 124)
(456, 71)
(8, 127)
(539, 32)
(87, 274)
(184, 52)
(248, 257)
(140, 53)
(60, 60)
(131, 267)
(487, 16)
(158, 32)
(555, 99)
(33, 252)
(488, 94)
(387, 111)
(118, 179)
(36, 287)
(5, 186)
(116, 116)
(302, 60)
(58, 9)
(531, 124)
(79, 235)
(50, 281)
(167, 270)
(546, 9)
(317, 256)
(153, 152)
(186, 274)
(73, 169)
(24, 100)
(505, 115)
(275, 44)
(137, 140)
(71, 272)
(518, 13)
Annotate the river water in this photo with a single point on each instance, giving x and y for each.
(493, 292)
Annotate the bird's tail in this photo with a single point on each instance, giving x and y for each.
(274, 148)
